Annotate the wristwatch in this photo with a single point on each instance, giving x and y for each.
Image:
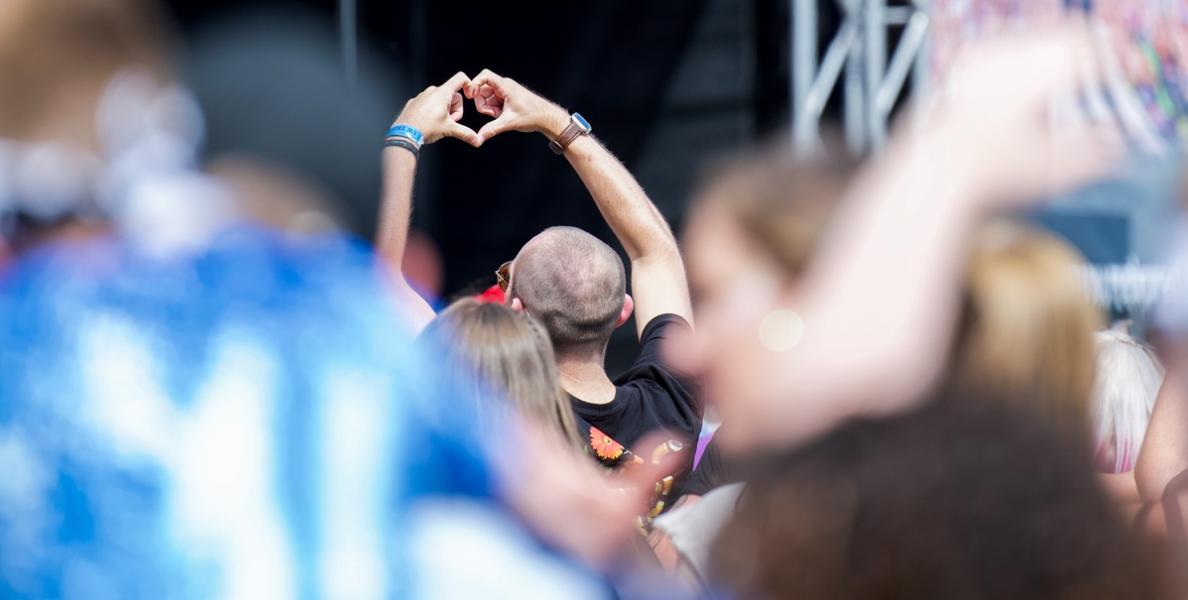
(578, 125)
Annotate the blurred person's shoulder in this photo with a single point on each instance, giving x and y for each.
(297, 297)
(242, 267)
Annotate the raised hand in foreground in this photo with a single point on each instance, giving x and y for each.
(879, 300)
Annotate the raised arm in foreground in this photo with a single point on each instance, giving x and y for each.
(880, 300)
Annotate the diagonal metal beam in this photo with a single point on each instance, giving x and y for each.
(857, 52)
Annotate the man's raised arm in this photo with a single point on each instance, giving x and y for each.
(658, 283)
(432, 115)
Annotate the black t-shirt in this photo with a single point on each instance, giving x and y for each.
(648, 396)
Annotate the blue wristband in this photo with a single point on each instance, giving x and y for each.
(408, 132)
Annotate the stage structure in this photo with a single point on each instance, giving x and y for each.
(872, 73)
(879, 44)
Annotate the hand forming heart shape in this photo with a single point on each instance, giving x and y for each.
(512, 107)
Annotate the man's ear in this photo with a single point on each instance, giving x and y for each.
(628, 306)
(517, 305)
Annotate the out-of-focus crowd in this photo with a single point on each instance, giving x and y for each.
(854, 378)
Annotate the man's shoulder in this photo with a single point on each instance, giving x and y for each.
(651, 367)
(646, 380)
(651, 362)
(663, 324)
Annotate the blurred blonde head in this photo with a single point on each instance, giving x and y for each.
(1028, 325)
(495, 350)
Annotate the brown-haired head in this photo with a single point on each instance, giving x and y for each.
(57, 57)
(749, 236)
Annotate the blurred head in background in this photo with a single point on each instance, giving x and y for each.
(749, 238)
(87, 108)
(57, 58)
(295, 138)
(94, 127)
(1128, 380)
(496, 351)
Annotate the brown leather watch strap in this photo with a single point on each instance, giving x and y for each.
(566, 138)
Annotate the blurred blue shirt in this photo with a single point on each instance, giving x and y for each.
(249, 421)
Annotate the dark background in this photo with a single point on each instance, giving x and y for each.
(667, 85)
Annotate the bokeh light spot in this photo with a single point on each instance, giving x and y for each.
(781, 330)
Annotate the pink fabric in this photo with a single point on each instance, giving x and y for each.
(702, 442)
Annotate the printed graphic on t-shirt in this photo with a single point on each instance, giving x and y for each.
(650, 396)
(611, 454)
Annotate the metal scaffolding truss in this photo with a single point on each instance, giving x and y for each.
(874, 73)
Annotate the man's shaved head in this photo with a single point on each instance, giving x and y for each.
(574, 284)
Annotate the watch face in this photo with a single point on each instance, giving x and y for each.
(581, 122)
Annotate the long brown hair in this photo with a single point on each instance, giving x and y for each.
(1027, 329)
(495, 348)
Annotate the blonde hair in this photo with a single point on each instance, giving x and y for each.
(1028, 325)
(496, 349)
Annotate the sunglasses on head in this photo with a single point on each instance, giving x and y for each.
(503, 275)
